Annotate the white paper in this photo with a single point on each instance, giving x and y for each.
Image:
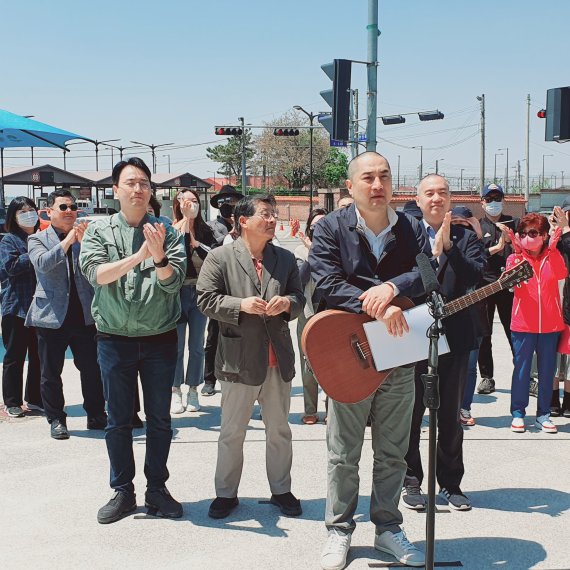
(392, 351)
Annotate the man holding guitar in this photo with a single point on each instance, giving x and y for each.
(460, 266)
(361, 258)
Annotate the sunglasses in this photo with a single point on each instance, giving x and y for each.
(530, 233)
(64, 207)
(489, 199)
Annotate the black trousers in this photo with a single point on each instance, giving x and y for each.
(503, 302)
(210, 352)
(452, 372)
(52, 344)
(20, 340)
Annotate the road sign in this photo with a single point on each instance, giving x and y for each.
(362, 137)
(334, 142)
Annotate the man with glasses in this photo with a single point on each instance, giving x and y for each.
(61, 313)
(496, 243)
(252, 288)
(137, 266)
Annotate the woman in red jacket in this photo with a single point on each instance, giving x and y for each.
(536, 318)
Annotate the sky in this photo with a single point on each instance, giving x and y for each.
(170, 71)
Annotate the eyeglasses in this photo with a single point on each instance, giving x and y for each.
(530, 233)
(64, 207)
(489, 199)
(144, 185)
(267, 216)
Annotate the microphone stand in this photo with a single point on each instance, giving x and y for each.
(431, 402)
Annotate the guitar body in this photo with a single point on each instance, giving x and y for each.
(335, 346)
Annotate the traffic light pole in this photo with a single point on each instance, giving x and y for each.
(243, 172)
(373, 34)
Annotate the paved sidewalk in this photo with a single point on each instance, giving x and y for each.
(51, 490)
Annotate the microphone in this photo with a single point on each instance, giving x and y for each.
(429, 279)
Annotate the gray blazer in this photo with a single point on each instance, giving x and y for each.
(51, 299)
(228, 276)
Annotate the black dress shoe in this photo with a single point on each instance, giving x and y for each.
(137, 423)
(208, 390)
(288, 503)
(59, 430)
(120, 505)
(160, 503)
(97, 422)
(221, 507)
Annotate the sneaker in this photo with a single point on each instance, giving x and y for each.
(15, 412)
(35, 407)
(466, 418)
(160, 503)
(120, 504)
(543, 423)
(398, 545)
(221, 507)
(517, 425)
(288, 503)
(192, 402)
(486, 386)
(58, 430)
(335, 551)
(412, 496)
(533, 388)
(176, 406)
(566, 405)
(310, 419)
(456, 499)
(97, 422)
(208, 390)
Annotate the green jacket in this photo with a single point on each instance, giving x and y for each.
(137, 304)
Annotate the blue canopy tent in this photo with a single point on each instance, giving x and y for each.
(17, 131)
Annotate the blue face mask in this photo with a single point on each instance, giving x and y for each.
(27, 219)
(494, 208)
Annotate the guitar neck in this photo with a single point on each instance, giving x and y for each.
(471, 298)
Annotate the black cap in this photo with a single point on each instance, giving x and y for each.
(411, 208)
(225, 192)
(462, 212)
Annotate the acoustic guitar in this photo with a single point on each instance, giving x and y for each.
(336, 348)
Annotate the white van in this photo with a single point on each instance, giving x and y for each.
(85, 205)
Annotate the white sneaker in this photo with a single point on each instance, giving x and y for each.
(543, 423)
(335, 551)
(517, 425)
(176, 406)
(192, 402)
(400, 547)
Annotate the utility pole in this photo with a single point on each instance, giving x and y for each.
(562, 179)
(461, 181)
(527, 167)
(398, 173)
(354, 145)
(506, 183)
(481, 99)
(372, 94)
(243, 172)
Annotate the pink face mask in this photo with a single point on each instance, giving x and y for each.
(532, 243)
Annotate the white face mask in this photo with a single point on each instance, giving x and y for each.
(27, 219)
(494, 208)
(194, 209)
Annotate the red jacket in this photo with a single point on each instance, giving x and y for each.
(537, 307)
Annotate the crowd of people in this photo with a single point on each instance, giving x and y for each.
(142, 300)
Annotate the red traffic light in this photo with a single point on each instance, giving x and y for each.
(541, 114)
(286, 132)
(228, 131)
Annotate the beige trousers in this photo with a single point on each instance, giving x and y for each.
(238, 400)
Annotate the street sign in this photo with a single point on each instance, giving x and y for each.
(334, 142)
(362, 137)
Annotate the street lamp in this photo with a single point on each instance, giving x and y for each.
(495, 169)
(421, 160)
(120, 149)
(312, 117)
(97, 143)
(506, 169)
(543, 167)
(437, 161)
(152, 147)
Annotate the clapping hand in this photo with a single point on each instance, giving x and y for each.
(154, 238)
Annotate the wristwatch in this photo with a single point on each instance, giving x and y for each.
(162, 262)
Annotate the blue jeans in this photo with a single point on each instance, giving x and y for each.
(524, 346)
(121, 362)
(471, 377)
(195, 321)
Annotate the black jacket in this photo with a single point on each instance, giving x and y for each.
(343, 265)
(221, 229)
(495, 264)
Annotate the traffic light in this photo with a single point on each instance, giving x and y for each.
(228, 131)
(281, 132)
(558, 114)
(393, 119)
(339, 72)
(541, 114)
(431, 116)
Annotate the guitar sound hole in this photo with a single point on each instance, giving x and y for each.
(360, 356)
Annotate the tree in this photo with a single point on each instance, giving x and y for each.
(335, 169)
(289, 157)
(229, 154)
